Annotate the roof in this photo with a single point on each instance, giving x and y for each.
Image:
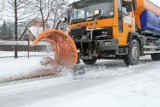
(35, 30)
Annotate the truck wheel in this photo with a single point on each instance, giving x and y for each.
(155, 57)
(133, 54)
(89, 61)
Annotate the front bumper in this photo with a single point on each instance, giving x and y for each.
(109, 44)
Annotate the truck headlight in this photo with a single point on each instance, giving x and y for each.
(63, 19)
(97, 12)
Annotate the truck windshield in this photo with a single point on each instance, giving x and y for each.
(85, 8)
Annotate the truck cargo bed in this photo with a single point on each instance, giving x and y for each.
(147, 15)
(150, 21)
(147, 5)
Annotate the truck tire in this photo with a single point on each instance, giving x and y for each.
(89, 61)
(132, 58)
(155, 57)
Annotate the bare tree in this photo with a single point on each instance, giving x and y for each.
(22, 12)
(44, 9)
(58, 10)
(49, 9)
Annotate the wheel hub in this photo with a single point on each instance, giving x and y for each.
(135, 53)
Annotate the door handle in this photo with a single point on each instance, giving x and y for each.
(130, 26)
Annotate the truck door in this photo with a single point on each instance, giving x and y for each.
(125, 21)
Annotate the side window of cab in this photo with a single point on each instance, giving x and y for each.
(124, 8)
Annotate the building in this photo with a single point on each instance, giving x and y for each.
(33, 30)
(38, 23)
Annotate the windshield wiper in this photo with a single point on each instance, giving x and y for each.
(78, 20)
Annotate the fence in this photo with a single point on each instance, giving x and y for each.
(7, 49)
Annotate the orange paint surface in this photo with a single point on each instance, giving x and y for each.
(143, 5)
(65, 51)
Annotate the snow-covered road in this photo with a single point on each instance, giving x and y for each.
(107, 84)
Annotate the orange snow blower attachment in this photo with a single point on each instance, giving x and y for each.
(65, 51)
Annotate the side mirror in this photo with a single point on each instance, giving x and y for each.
(129, 7)
(63, 20)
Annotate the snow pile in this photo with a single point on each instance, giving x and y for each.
(22, 68)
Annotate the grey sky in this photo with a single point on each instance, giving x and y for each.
(157, 2)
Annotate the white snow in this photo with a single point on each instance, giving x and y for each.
(21, 68)
(106, 84)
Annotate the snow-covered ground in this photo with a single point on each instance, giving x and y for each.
(106, 84)
(22, 68)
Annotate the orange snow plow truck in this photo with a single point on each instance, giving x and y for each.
(106, 29)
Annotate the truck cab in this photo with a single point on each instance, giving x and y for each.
(106, 29)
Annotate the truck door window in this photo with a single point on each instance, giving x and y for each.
(79, 14)
(124, 9)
